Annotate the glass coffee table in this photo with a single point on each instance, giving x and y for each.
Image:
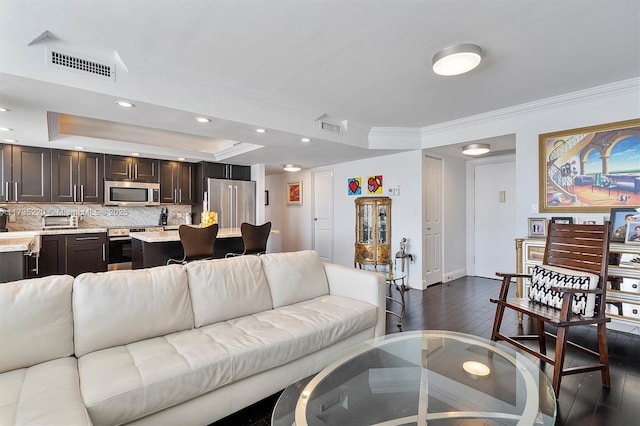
(422, 377)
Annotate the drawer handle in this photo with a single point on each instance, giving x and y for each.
(86, 238)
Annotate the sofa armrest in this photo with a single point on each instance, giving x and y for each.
(360, 285)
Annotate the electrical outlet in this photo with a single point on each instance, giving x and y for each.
(534, 208)
(12, 217)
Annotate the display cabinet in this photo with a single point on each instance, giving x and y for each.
(373, 233)
(623, 287)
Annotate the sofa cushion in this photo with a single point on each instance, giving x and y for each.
(543, 277)
(36, 323)
(294, 277)
(119, 307)
(44, 394)
(128, 382)
(227, 288)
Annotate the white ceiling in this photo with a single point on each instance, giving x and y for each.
(283, 64)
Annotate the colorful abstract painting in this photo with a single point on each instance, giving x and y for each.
(374, 184)
(354, 186)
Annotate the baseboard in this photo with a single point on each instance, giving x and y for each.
(454, 275)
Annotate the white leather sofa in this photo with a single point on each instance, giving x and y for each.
(177, 344)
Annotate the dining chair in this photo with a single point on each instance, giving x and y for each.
(197, 243)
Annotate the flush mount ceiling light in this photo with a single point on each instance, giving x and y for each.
(10, 140)
(292, 168)
(476, 149)
(2, 109)
(456, 59)
(125, 104)
(202, 120)
(261, 131)
(305, 140)
(475, 369)
(5, 129)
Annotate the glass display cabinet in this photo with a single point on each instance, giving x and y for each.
(373, 232)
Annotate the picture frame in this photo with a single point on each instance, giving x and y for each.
(618, 221)
(537, 226)
(266, 197)
(294, 193)
(633, 233)
(562, 219)
(587, 170)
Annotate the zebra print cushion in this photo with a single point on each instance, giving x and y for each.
(543, 277)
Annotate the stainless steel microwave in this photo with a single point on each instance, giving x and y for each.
(127, 193)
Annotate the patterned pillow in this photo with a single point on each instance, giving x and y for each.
(544, 277)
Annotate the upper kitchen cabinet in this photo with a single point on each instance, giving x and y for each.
(226, 171)
(26, 173)
(176, 182)
(77, 176)
(131, 168)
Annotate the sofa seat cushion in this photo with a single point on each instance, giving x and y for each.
(44, 394)
(125, 383)
(268, 339)
(128, 382)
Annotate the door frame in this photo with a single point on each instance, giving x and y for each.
(440, 248)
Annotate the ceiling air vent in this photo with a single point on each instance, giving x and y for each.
(330, 127)
(73, 62)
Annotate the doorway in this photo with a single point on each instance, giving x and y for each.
(432, 220)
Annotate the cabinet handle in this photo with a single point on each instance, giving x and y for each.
(37, 264)
(6, 190)
(180, 193)
(87, 238)
(129, 170)
(135, 173)
(175, 196)
(104, 259)
(15, 193)
(75, 192)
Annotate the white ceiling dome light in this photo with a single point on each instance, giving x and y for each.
(292, 168)
(457, 59)
(476, 149)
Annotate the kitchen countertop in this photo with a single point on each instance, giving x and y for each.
(167, 236)
(29, 241)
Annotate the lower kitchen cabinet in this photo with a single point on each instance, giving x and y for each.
(70, 254)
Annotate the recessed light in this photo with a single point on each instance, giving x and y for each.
(305, 140)
(135, 154)
(10, 140)
(79, 147)
(4, 109)
(181, 158)
(202, 120)
(261, 131)
(5, 129)
(125, 104)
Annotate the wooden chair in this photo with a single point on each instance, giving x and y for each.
(254, 238)
(197, 243)
(575, 258)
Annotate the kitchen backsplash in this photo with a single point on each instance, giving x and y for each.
(28, 217)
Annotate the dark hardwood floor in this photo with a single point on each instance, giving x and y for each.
(463, 305)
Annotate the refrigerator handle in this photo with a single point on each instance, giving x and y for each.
(235, 188)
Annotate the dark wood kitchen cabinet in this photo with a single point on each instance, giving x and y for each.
(86, 253)
(77, 176)
(70, 254)
(26, 174)
(140, 169)
(176, 182)
(225, 171)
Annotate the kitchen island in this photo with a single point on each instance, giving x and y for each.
(149, 249)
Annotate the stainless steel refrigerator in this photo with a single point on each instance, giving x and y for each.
(233, 200)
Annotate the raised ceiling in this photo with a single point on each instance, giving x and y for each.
(287, 65)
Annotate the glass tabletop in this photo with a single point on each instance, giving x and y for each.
(439, 377)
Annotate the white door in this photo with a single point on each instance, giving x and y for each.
(432, 216)
(495, 218)
(323, 213)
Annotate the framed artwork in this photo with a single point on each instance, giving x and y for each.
(590, 169)
(620, 219)
(537, 227)
(354, 186)
(294, 193)
(633, 233)
(562, 219)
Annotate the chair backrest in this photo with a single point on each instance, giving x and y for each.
(197, 243)
(582, 248)
(255, 237)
